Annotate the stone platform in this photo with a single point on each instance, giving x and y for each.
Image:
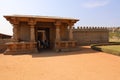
(66, 46)
(20, 47)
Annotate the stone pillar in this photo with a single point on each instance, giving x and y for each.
(70, 33)
(15, 32)
(32, 30)
(44, 36)
(58, 31)
(32, 33)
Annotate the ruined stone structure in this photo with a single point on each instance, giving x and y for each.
(91, 35)
(5, 36)
(28, 30)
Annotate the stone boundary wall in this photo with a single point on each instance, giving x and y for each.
(3, 47)
(3, 41)
(91, 35)
(90, 28)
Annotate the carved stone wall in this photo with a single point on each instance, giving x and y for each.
(91, 35)
(24, 32)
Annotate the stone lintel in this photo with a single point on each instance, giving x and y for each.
(13, 21)
(71, 23)
(31, 22)
(57, 23)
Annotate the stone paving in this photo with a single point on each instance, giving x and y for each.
(85, 64)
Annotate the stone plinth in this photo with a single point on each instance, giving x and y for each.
(21, 47)
(65, 45)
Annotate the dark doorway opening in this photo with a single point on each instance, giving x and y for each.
(43, 39)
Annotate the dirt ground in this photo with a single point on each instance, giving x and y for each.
(85, 64)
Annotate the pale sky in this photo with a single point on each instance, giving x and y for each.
(90, 12)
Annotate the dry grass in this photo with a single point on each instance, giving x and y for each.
(113, 49)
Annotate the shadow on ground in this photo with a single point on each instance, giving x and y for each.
(83, 50)
(50, 53)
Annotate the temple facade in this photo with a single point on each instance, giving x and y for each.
(33, 33)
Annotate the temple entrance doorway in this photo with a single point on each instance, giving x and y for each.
(43, 39)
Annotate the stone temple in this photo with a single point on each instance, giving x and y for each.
(34, 33)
